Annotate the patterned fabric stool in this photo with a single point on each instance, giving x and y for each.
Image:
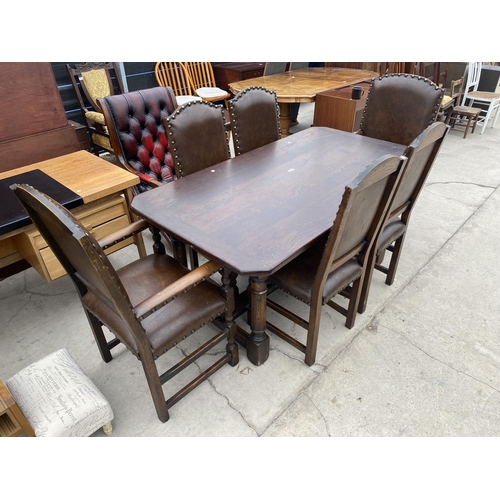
(58, 399)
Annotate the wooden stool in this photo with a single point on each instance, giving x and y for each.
(58, 399)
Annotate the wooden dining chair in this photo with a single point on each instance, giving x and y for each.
(255, 122)
(150, 305)
(421, 154)
(337, 262)
(172, 74)
(466, 116)
(473, 96)
(197, 137)
(91, 81)
(203, 81)
(399, 107)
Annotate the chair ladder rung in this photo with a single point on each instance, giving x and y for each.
(197, 381)
(381, 268)
(337, 307)
(287, 314)
(287, 338)
(172, 372)
(346, 292)
(113, 343)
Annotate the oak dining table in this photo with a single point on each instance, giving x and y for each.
(302, 85)
(256, 212)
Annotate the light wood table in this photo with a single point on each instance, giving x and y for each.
(302, 85)
(256, 212)
(105, 190)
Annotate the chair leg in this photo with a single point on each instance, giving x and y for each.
(193, 258)
(365, 286)
(354, 302)
(153, 380)
(99, 336)
(393, 265)
(313, 333)
(467, 126)
(497, 112)
(486, 119)
(228, 291)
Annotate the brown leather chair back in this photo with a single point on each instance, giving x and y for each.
(137, 132)
(254, 114)
(421, 155)
(197, 137)
(399, 107)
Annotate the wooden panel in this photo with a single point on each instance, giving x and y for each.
(34, 126)
(34, 148)
(29, 100)
(336, 109)
(226, 73)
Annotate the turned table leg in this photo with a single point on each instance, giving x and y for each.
(285, 118)
(257, 344)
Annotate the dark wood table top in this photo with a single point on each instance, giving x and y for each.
(258, 211)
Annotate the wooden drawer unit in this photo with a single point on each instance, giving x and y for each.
(226, 73)
(100, 218)
(336, 109)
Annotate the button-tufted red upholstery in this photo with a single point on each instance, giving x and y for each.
(399, 107)
(135, 123)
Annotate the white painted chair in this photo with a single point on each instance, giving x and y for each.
(473, 96)
(58, 399)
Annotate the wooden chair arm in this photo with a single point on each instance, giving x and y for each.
(149, 180)
(122, 234)
(169, 293)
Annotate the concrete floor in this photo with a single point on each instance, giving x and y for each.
(423, 360)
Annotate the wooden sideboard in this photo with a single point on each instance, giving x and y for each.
(226, 73)
(336, 109)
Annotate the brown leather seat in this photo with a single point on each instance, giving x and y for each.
(399, 107)
(254, 116)
(337, 262)
(150, 305)
(421, 155)
(137, 132)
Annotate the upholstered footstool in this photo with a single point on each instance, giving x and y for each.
(58, 399)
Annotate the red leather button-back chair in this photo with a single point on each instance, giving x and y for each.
(137, 133)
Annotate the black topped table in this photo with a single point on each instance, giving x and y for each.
(12, 214)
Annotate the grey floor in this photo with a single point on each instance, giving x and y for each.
(423, 360)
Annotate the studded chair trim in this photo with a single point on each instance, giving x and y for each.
(253, 130)
(201, 141)
(399, 107)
